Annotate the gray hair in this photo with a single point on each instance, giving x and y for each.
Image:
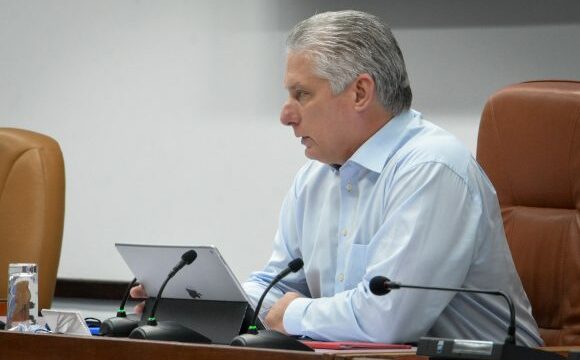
(346, 44)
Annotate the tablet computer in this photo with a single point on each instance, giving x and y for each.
(207, 278)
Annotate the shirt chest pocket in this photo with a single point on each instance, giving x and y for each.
(355, 266)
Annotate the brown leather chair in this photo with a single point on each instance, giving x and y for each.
(529, 146)
(31, 206)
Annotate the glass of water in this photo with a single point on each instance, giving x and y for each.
(22, 302)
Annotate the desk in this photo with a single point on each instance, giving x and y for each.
(62, 347)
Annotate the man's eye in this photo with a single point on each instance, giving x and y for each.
(300, 94)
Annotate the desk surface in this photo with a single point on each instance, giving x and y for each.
(62, 347)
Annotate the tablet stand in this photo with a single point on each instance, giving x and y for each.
(220, 321)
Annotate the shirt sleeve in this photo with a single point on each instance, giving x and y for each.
(427, 237)
(285, 250)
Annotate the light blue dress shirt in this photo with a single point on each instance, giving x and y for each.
(413, 205)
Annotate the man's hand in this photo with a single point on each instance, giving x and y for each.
(138, 292)
(275, 318)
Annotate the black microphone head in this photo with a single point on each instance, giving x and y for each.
(296, 264)
(378, 285)
(189, 256)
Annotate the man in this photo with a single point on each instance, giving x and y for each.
(385, 193)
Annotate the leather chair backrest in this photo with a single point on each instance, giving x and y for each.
(529, 146)
(32, 187)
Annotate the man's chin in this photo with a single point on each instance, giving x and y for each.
(310, 154)
(313, 155)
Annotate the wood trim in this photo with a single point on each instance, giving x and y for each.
(90, 289)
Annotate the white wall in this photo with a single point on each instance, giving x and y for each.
(167, 111)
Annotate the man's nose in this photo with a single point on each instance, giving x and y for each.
(289, 116)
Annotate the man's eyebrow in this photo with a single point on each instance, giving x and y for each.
(294, 86)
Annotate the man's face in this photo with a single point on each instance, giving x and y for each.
(322, 120)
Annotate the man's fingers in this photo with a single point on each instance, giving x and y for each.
(138, 309)
(138, 292)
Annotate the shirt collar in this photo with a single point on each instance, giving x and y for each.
(375, 152)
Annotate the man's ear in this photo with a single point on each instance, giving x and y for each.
(364, 90)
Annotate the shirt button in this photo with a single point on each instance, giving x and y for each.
(345, 232)
(349, 187)
(341, 277)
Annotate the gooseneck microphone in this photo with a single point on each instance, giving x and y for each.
(437, 348)
(271, 339)
(169, 330)
(186, 259)
(120, 326)
(381, 285)
(293, 266)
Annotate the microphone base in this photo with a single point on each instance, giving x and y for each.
(168, 331)
(441, 349)
(118, 327)
(269, 339)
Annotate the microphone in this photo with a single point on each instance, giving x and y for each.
(169, 330)
(186, 259)
(467, 349)
(293, 266)
(120, 326)
(380, 285)
(271, 339)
